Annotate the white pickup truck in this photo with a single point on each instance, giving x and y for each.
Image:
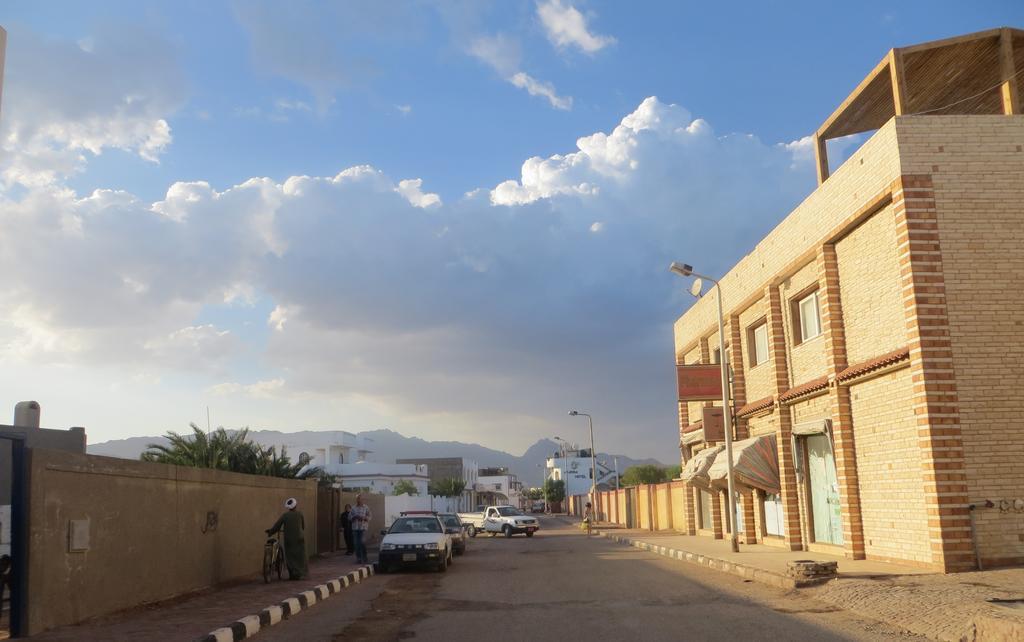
(507, 520)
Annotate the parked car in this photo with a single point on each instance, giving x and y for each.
(456, 529)
(507, 520)
(415, 539)
(537, 506)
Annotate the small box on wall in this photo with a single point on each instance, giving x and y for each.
(78, 535)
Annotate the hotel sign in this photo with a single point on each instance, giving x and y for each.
(700, 382)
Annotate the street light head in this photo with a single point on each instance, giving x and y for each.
(681, 268)
(573, 413)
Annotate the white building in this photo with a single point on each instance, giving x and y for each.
(380, 478)
(344, 448)
(575, 468)
(499, 487)
(350, 458)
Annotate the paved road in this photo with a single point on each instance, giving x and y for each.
(560, 585)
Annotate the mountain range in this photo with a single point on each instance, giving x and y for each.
(388, 446)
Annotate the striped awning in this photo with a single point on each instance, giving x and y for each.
(695, 473)
(755, 464)
(690, 438)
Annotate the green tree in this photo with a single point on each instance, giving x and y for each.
(643, 474)
(535, 493)
(221, 450)
(404, 487)
(450, 487)
(554, 490)
(673, 472)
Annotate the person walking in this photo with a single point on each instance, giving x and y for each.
(360, 516)
(345, 520)
(588, 518)
(294, 525)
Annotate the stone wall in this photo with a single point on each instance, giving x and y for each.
(153, 531)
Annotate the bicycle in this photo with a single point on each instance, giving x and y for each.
(273, 558)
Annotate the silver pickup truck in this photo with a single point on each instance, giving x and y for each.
(507, 520)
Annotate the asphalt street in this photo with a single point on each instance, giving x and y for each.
(560, 585)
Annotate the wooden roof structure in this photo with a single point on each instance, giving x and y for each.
(977, 73)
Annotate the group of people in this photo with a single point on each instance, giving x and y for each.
(353, 523)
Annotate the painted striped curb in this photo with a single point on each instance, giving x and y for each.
(741, 570)
(250, 625)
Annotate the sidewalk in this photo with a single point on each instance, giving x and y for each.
(193, 616)
(941, 607)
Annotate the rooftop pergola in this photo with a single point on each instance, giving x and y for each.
(978, 73)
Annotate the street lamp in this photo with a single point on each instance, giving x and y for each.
(565, 481)
(593, 457)
(683, 269)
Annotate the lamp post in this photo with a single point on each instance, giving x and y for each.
(565, 482)
(593, 457)
(683, 269)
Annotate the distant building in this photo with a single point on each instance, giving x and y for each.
(380, 478)
(442, 468)
(575, 467)
(348, 449)
(499, 487)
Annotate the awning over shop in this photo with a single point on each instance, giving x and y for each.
(695, 473)
(755, 464)
(815, 427)
(694, 437)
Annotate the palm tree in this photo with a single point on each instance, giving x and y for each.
(221, 450)
(450, 487)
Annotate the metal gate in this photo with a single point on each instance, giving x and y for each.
(14, 587)
(328, 510)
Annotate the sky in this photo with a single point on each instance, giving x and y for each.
(450, 218)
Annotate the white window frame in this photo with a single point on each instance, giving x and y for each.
(811, 298)
(757, 359)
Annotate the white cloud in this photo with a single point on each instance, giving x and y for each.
(502, 53)
(191, 347)
(567, 27)
(258, 390)
(411, 189)
(63, 99)
(538, 88)
(383, 297)
(405, 110)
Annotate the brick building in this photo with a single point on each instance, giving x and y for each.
(876, 335)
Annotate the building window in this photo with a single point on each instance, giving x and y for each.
(757, 339)
(806, 317)
(716, 356)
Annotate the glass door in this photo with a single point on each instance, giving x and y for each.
(824, 488)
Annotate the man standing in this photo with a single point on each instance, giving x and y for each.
(360, 517)
(345, 521)
(294, 525)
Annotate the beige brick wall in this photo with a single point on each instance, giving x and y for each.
(889, 468)
(759, 379)
(811, 409)
(764, 425)
(979, 199)
(870, 288)
(806, 360)
(803, 229)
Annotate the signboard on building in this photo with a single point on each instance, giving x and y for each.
(714, 424)
(699, 382)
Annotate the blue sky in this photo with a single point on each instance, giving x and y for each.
(477, 304)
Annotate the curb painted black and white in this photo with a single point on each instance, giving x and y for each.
(250, 625)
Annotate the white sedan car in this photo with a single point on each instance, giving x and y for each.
(418, 540)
